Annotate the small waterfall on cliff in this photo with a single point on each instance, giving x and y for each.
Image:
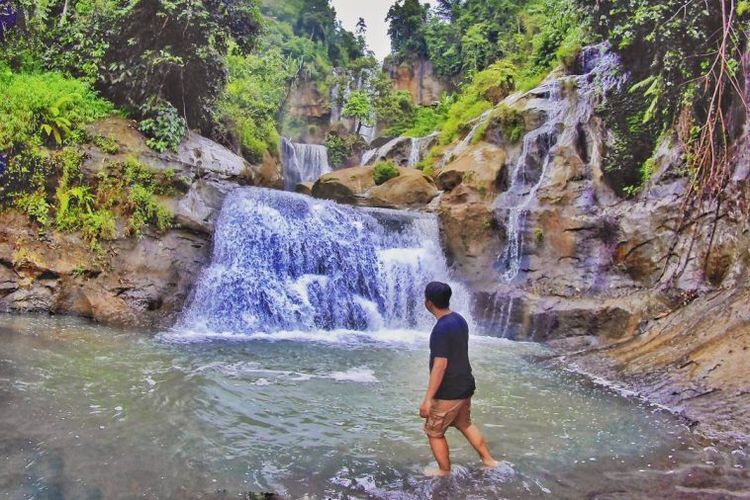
(525, 181)
(284, 261)
(382, 151)
(418, 147)
(564, 114)
(302, 162)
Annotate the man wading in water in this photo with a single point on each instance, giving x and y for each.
(448, 399)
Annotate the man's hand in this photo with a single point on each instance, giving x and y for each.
(424, 410)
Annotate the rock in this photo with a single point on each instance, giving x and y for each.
(481, 166)
(304, 188)
(419, 78)
(693, 360)
(140, 282)
(200, 207)
(470, 235)
(411, 189)
(196, 157)
(355, 186)
(347, 185)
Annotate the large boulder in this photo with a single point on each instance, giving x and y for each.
(196, 156)
(356, 186)
(470, 235)
(411, 189)
(480, 166)
(347, 185)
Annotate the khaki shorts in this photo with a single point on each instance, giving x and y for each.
(446, 413)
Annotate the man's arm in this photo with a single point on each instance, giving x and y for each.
(437, 373)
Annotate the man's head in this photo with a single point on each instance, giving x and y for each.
(437, 296)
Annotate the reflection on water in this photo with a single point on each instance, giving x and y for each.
(89, 412)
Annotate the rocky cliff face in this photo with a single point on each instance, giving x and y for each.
(418, 78)
(133, 281)
(641, 290)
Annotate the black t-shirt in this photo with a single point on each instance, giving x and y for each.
(450, 339)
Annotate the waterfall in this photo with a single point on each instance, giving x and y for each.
(302, 162)
(284, 261)
(564, 114)
(382, 151)
(367, 156)
(418, 147)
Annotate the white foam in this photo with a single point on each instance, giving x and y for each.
(360, 374)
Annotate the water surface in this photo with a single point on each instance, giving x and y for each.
(92, 412)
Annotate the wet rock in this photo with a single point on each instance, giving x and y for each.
(481, 166)
(693, 360)
(304, 188)
(355, 186)
(411, 189)
(347, 185)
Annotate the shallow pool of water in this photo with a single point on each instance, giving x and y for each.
(92, 412)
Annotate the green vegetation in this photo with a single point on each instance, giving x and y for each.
(51, 189)
(39, 109)
(337, 150)
(384, 171)
(166, 53)
(684, 60)
(164, 128)
(494, 47)
(252, 99)
(359, 107)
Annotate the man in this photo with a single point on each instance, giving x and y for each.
(447, 402)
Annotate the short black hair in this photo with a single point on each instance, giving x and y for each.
(439, 294)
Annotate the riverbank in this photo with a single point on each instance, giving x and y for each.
(692, 361)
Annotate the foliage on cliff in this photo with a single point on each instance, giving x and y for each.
(143, 55)
(492, 48)
(686, 65)
(463, 37)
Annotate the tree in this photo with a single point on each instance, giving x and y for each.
(174, 51)
(359, 107)
(361, 28)
(8, 18)
(406, 28)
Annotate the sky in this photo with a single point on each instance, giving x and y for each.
(374, 12)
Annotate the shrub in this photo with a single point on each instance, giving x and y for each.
(384, 171)
(337, 150)
(34, 205)
(106, 144)
(163, 126)
(41, 108)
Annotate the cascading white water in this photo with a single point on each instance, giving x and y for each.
(284, 261)
(302, 162)
(418, 147)
(563, 115)
(382, 151)
(367, 156)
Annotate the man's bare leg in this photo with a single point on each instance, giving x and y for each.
(442, 455)
(475, 437)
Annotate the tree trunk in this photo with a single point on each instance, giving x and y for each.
(64, 13)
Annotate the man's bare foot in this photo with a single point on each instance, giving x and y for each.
(490, 463)
(436, 472)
